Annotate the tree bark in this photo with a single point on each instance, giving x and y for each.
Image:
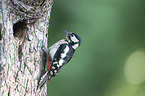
(23, 43)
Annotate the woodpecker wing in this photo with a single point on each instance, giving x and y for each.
(61, 57)
(54, 47)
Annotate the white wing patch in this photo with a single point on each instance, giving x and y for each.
(55, 71)
(74, 39)
(54, 47)
(61, 62)
(66, 50)
(53, 67)
(58, 65)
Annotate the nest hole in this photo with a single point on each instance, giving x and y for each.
(19, 29)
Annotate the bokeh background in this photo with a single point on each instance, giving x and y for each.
(111, 58)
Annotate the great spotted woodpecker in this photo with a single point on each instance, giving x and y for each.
(60, 54)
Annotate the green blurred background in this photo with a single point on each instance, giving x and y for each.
(111, 58)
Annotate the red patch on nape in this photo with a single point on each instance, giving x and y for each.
(49, 61)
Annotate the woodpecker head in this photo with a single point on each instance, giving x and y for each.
(73, 39)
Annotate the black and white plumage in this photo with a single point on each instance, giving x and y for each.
(60, 54)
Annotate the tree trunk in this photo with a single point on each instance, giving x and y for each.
(23, 43)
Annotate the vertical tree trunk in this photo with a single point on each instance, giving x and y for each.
(23, 43)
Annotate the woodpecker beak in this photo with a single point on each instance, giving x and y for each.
(67, 34)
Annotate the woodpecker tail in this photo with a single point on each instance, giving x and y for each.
(43, 80)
